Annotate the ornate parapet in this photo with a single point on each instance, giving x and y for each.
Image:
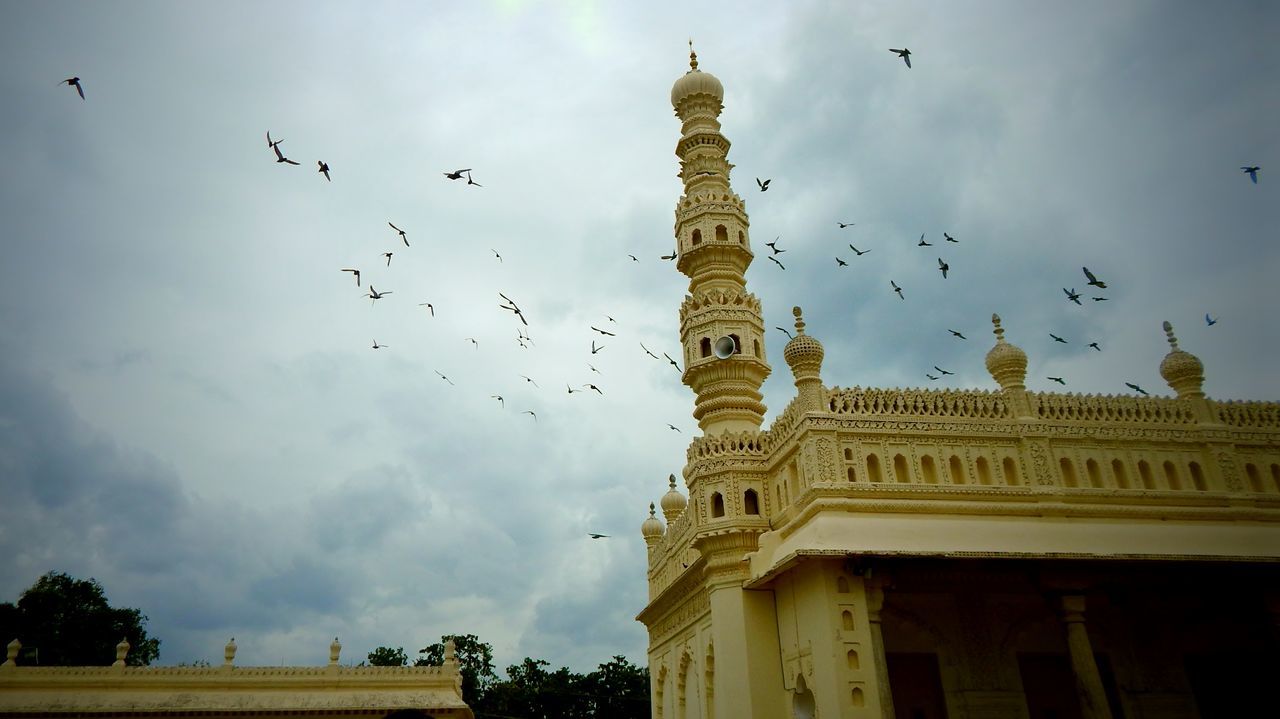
(973, 404)
(1111, 408)
(1260, 415)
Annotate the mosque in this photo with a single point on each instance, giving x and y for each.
(923, 554)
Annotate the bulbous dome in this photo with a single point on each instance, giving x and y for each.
(673, 503)
(803, 353)
(1007, 363)
(652, 527)
(1182, 370)
(696, 82)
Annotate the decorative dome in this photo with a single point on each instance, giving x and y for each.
(1007, 363)
(1182, 370)
(696, 82)
(652, 528)
(803, 353)
(673, 503)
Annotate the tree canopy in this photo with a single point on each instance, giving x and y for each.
(63, 621)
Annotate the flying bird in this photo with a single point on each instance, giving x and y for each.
(530, 413)
(378, 346)
(671, 256)
(501, 401)
(603, 332)
(530, 381)
(593, 368)
(1094, 281)
(1209, 321)
(376, 295)
(646, 351)
(354, 272)
(1059, 380)
(846, 224)
(594, 348)
(784, 331)
(774, 245)
(571, 390)
(512, 306)
(495, 254)
(922, 243)
(607, 317)
(1136, 388)
(1057, 338)
(75, 82)
(1098, 299)
(926, 374)
(897, 289)
(429, 306)
(776, 262)
(402, 234)
(944, 267)
(1251, 171)
(270, 143)
(633, 258)
(764, 186)
(673, 362)
(457, 174)
(944, 372)
(473, 341)
(949, 238)
(905, 54)
(593, 535)
(388, 256)
(1095, 346)
(280, 155)
(472, 182)
(858, 252)
(324, 169)
(1072, 295)
(591, 386)
(446, 379)
(672, 426)
(957, 334)
(841, 263)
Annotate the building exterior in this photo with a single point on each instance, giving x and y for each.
(940, 553)
(325, 692)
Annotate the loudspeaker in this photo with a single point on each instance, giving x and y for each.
(725, 347)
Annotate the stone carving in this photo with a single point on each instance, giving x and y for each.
(1230, 473)
(1040, 459)
(1108, 408)
(918, 402)
(826, 459)
(1249, 414)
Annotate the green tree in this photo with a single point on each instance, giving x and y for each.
(474, 657)
(620, 689)
(63, 621)
(388, 657)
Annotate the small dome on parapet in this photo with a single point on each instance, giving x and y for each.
(695, 82)
(1182, 370)
(652, 528)
(673, 503)
(1007, 363)
(803, 353)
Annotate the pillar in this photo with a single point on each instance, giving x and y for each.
(875, 602)
(1093, 698)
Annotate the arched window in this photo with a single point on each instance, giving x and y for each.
(957, 471)
(1197, 477)
(846, 620)
(927, 469)
(1117, 471)
(873, 468)
(852, 658)
(848, 454)
(704, 346)
(1010, 470)
(722, 235)
(697, 237)
(742, 239)
(850, 474)
(1275, 476)
(984, 471)
(1144, 473)
(755, 344)
(1255, 480)
(717, 505)
(1171, 475)
(750, 504)
(737, 344)
(1095, 475)
(900, 471)
(856, 697)
(1068, 472)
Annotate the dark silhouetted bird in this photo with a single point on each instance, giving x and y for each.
(1072, 295)
(1209, 321)
(841, 262)
(897, 289)
(673, 362)
(472, 340)
(646, 351)
(75, 82)
(922, 243)
(376, 295)
(403, 236)
(446, 379)
(591, 386)
(354, 272)
(271, 143)
(776, 262)
(943, 267)
(472, 182)
(495, 254)
(905, 54)
(530, 413)
(571, 390)
(764, 185)
(671, 256)
(1251, 171)
(926, 374)
(634, 258)
(512, 306)
(1057, 338)
(1059, 380)
(784, 331)
(774, 245)
(1094, 281)
(846, 224)
(324, 169)
(457, 174)
(429, 306)
(1135, 388)
(957, 334)
(529, 380)
(1095, 346)
(944, 372)
(672, 426)
(280, 155)
(594, 348)
(949, 238)
(378, 346)
(1098, 299)
(501, 401)
(857, 251)
(388, 256)
(603, 332)
(597, 536)
(593, 369)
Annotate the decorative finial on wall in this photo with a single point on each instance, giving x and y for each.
(335, 650)
(450, 652)
(693, 57)
(11, 658)
(122, 651)
(229, 653)
(999, 331)
(1168, 333)
(799, 320)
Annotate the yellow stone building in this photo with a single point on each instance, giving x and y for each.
(938, 553)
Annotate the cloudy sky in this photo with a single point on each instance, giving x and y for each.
(191, 410)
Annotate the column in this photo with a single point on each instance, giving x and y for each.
(1093, 698)
(875, 602)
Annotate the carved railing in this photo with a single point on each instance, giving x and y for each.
(1111, 408)
(973, 404)
(1248, 414)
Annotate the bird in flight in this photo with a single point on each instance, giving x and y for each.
(75, 82)
(776, 262)
(378, 346)
(446, 379)
(764, 186)
(591, 386)
(897, 289)
(473, 341)
(1072, 295)
(402, 234)
(1057, 338)
(784, 331)
(957, 334)
(774, 245)
(926, 374)
(603, 332)
(472, 182)
(511, 305)
(593, 368)
(1136, 388)
(376, 295)
(457, 174)
(530, 381)
(1098, 299)
(501, 401)
(1094, 281)
(633, 258)
(531, 414)
(942, 371)
(1059, 380)
(846, 224)
(646, 351)
(594, 348)
(905, 54)
(1251, 171)
(354, 272)
(270, 143)
(593, 535)
(671, 256)
(495, 254)
(857, 251)
(571, 390)
(429, 306)
(673, 362)
(280, 155)
(324, 169)
(388, 256)
(672, 426)
(607, 317)
(949, 238)
(944, 267)
(922, 243)
(841, 262)
(1209, 321)
(1095, 346)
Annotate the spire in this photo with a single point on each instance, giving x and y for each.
(1007, 363)
(721, 324)
(651, 529)
(804, 355)
(673, 503)
(1182, 370)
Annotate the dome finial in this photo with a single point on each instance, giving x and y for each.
(673, 503)
(1182, 370)
(693, 56)
(999, 331)
(1006, 362)
(799, 320)
(1168, 333)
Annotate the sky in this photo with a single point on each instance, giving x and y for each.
(191, 408)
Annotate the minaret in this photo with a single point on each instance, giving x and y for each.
(721, 324)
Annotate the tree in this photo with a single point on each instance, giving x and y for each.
(388, 657)
(63, 621)
(475, 658)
